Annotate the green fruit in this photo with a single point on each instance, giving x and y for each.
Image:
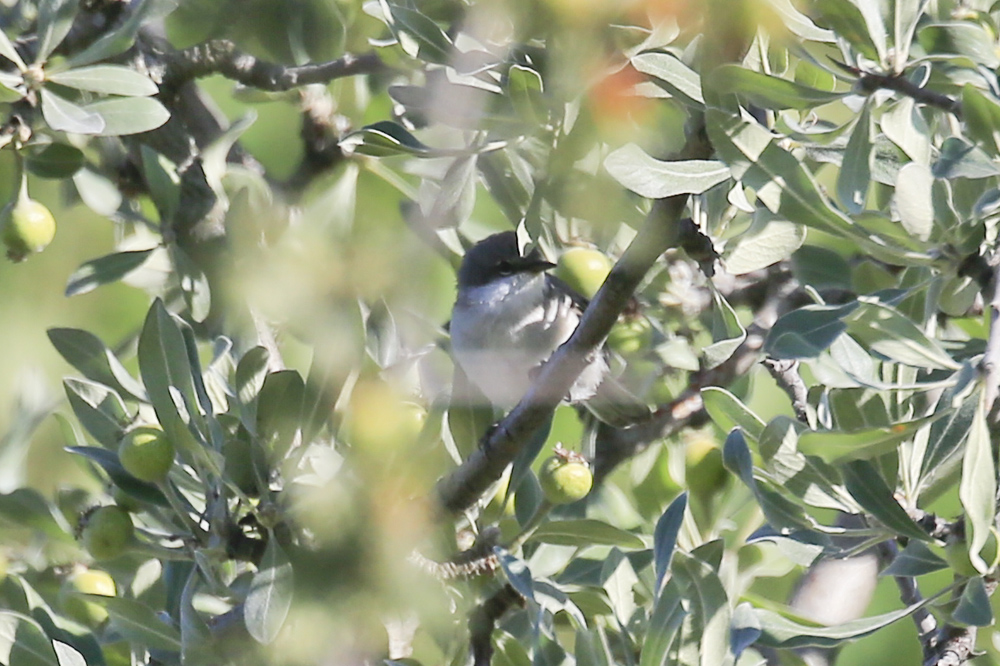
(703, 469)
(125, 501)
(956, 552)
(75, 605)
(631, 335)
(108, 532)
(146, 453)
(582, 269)
(565, 477)
(27, 227)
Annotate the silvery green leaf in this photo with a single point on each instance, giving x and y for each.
(657, 179)
(107, 80)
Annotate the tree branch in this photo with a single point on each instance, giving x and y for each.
(786, 373)
(869, 82)
(221, 56)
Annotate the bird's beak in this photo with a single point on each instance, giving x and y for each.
(534, 262)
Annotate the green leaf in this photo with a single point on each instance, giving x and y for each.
(270, 596)
(23, 641)
(960, 159)
(708, 613)
(56, 160)
(834, 446)
(129, 115)
(618, 579)
(85, 352)
(122, 37)
(138, 624)
(108, 460)
(966, 39)
(728, 412)
(279, 411)
(8, 51)
(858, 26)
(885, 330)
(419, 36)
(745, 629)
(767, 241)
(106, 80)
(807, 331)
(668, 614)
(982, 118)
(166, 373)
(26, 507)
(517, 573)
(251, 372)
(867, 486)
(915, 560)
(905, 126)
(769, 92)
(974, 605)
(905, 15)
(800, 24)
(781, 513)
(913, 199)
(64, 116)
(781, 632)
(665, 537)
(99, 409)
(947, 434)
(855, 170)
(384, 139)
(585, 532)
(727, 332)
(978, 487)
(672, 75)
(524, 87)
(55, 18)
(163, 180)
(657, 179)
(192, 283)
(105, 270)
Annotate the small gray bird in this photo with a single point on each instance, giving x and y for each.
(508, 319)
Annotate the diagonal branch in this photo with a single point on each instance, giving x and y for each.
(661, 231)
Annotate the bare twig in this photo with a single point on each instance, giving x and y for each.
(786, 373)
(220, 56)
(869, 82)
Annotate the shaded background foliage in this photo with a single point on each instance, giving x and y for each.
(270, 262)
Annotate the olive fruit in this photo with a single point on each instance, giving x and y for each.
(76, 606)
(108, 532)
(27, 227)
(146, 453)
(565, 477)
(583, 269)
(631, 335)
(703, 469)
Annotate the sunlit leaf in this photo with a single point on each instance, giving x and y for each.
(656, 179)
(270, 596)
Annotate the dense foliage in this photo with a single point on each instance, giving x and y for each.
(784, 213)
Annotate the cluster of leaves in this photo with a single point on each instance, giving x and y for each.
(842, 163)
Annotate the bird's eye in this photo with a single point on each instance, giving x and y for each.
(505, 267)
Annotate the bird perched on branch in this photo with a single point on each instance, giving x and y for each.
(508, 319)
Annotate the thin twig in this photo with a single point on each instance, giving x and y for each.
(220, 56)
(869, 82)
(786, 373)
